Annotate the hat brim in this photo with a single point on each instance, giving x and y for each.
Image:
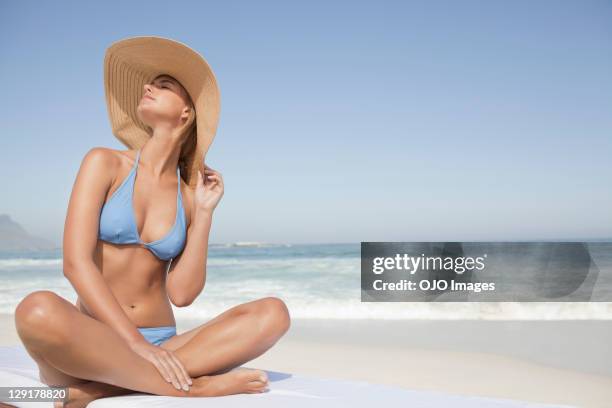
(132, 62)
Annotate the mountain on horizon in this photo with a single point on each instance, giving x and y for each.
(14, 238)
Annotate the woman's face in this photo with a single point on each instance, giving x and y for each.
(164, 102)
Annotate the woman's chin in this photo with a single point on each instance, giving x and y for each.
(143, 113)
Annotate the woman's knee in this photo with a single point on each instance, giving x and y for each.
(274, 312)
(38, 313)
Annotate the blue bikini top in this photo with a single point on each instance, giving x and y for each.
(118, 224)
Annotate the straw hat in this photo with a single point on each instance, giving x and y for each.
(132, 62)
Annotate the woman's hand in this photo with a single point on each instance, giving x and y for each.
(209, 190)
(167, 363)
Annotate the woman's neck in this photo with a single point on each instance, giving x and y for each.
(161, 154)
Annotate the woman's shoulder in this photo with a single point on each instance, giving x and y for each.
(110, 158)
(105, 164)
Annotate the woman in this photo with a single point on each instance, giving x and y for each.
(136, 238)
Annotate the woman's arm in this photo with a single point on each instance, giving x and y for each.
(80, 239)
(187, 273)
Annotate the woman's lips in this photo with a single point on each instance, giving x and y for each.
(148, 97)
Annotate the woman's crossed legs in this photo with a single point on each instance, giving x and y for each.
(75, 350)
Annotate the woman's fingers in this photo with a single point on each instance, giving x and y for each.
(178, 373)
(182, 368)
(216, 177)
(207, 181)
(212, 180)
(211, 171)
(207, 168)
(169, 371)
(162, 370)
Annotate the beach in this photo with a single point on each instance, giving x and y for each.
(424, 185)
(541, 352)
(562, 362)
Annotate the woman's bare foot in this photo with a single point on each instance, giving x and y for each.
(79, 395)
(77, 398)
(236, 381)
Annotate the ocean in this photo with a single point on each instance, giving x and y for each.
(318, 281)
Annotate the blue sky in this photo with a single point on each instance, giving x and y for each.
(340, 121)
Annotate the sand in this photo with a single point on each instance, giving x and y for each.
(564, 362)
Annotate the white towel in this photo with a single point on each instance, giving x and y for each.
(285, 390)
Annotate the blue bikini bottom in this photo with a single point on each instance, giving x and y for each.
(157, 335)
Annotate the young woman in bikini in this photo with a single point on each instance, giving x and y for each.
(128, 215)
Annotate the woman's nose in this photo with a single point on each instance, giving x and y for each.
(147, 88)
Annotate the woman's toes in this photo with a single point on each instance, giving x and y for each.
(255, 375)
(257, 380)
(261, 376)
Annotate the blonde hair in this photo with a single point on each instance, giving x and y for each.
(190, 140)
